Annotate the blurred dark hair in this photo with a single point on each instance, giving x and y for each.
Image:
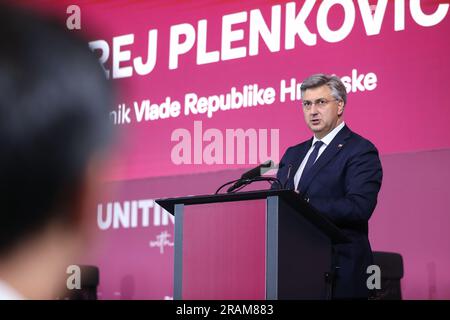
(54, 101)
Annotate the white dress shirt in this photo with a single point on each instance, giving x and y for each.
(326, 141)
(9, 293)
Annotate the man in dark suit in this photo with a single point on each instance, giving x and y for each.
(339, 173)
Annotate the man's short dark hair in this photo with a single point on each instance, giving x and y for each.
(54, 101)
(334, 83)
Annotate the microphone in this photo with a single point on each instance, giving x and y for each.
(258, 171)
(288, 175)
(251, 174)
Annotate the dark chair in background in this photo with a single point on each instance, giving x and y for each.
(391, 266)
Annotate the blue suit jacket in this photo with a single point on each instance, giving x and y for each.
(343, 185)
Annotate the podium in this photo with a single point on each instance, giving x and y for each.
(256, 245)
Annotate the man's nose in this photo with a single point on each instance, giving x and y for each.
(314, 109)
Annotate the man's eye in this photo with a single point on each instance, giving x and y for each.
(307, 103)
(322, 102)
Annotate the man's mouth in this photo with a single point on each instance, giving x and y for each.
(315, 121)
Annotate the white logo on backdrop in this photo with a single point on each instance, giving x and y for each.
(162, 240)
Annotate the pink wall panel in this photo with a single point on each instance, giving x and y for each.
(224, 251)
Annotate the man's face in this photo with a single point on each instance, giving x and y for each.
(322, 111)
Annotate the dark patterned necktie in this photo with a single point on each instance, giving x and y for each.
(312, 158)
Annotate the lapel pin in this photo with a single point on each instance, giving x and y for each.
(340, 145)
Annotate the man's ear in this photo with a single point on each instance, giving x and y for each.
(341, 106)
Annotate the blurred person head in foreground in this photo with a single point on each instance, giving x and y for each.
(54, 134)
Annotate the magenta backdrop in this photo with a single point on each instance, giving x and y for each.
(406, 116)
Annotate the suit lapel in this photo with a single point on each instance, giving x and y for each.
(336, 145)
(298, 160)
